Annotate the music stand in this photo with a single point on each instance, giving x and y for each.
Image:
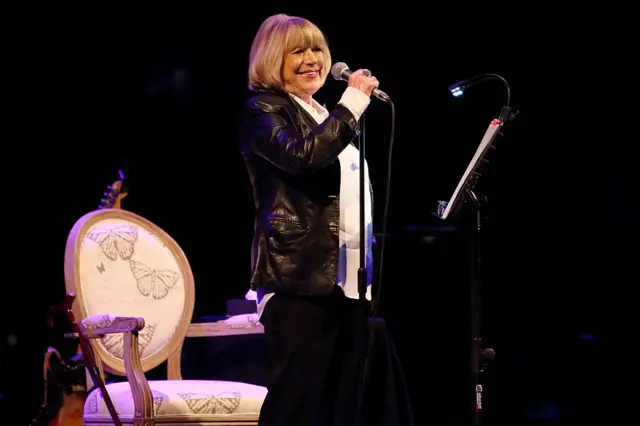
(466, 192)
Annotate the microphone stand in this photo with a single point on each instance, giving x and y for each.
(362, 270)
(363, 357)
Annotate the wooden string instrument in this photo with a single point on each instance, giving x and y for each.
(64, 392)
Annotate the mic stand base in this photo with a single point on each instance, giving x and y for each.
(480, 356)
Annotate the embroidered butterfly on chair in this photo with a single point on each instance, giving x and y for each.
(114, 343)
(157, 283)
(224, 403)
(116, 241)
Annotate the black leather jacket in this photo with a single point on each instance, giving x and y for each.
(293, 168)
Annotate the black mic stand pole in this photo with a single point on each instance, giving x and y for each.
(363, 333)
(362, 270)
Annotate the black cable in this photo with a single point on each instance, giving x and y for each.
(385, 213)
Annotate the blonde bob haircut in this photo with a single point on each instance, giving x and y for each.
(277, 36)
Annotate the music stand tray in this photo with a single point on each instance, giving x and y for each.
(469, 178)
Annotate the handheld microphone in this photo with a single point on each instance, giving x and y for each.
(341, 71)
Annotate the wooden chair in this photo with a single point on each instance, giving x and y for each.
(135, 297)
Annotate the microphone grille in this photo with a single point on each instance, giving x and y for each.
(337, 69)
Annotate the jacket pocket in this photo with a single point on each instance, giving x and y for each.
(285, 232)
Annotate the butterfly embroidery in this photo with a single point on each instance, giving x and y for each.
(114, 343)
(152, 282)
(224, 403)
(116, 241)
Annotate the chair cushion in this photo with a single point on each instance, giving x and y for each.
(196, 400)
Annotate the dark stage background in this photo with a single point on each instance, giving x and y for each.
(165, 93)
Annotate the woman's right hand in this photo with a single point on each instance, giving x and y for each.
(363, 81)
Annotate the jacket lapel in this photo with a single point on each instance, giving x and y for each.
(304, 120)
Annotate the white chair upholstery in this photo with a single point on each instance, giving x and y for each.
(121, 265)
(181, 400)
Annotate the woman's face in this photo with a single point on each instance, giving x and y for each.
(302, 72)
